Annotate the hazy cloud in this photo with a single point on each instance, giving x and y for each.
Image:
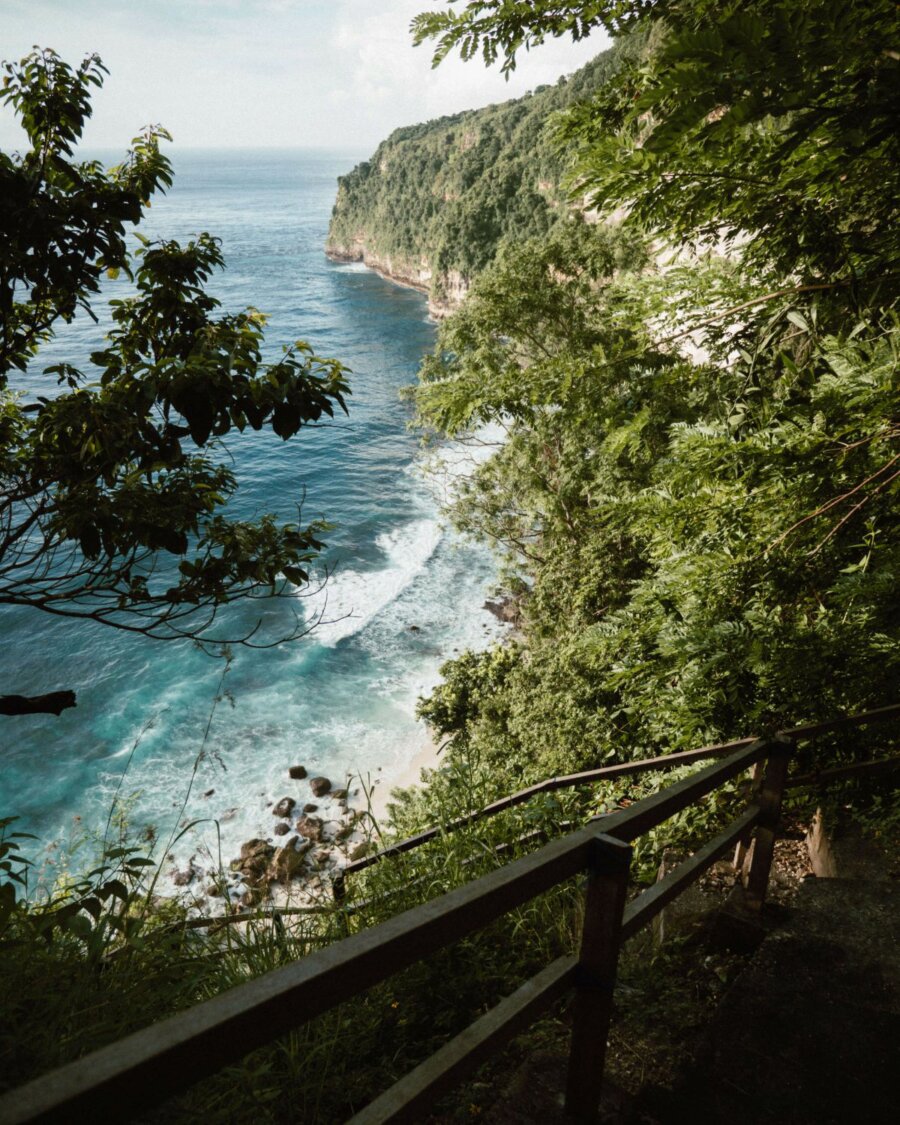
(243, 73)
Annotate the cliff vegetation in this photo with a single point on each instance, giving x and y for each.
(695, 505)
(435, 202)
(696, 501)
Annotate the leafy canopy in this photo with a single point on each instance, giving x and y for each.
(112, 502)
(501, 28)
(696, 501)
(760, 121)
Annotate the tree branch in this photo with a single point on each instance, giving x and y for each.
(52, 704)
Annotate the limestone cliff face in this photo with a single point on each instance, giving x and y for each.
(415, 268)
(432, 206)
(442, 299)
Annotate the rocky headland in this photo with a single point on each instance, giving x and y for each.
(433, 204)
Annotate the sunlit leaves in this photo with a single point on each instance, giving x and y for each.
(119, 470)
(699, 548)
(773, 123)
(499, 30)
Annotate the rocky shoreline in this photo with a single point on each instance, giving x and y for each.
(406, 275)
(317, 828)
(316, 832)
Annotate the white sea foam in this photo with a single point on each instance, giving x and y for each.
(423, 604)
(352, 598)
(411, 600)
(352, 267)
(445, 468)
(428, 606)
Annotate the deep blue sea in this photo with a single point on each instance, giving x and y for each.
(404, 593)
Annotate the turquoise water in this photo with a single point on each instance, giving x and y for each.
(403, 595)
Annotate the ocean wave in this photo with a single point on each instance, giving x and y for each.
(350, 599)
(351, 267)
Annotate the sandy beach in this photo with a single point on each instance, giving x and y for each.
(426, 757)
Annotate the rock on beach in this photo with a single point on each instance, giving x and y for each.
(310, 827)
(284, 807)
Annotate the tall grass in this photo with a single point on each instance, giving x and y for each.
(102, 954)
(89, 964)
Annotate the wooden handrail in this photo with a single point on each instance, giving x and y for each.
(606, 773)
(813, 730)
(650, 902)
(628, 824)
(567, 781)
(823, 777)
(149, 1065)
(152, 1064)
(416, 1092)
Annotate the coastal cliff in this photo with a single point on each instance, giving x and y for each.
(435, 201)
(445, 293)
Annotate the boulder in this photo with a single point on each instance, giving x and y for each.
(254, 861)
(253, 848)
(209, 792)
(311, 828)
(297, 773)
(284, 807)
(308, 808)
(288, 860)
(253, 896)
(505, 609)
(367, 847)
(282, 829)
(339, 794)
(320, 786)
(183, 878)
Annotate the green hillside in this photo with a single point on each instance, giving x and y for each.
(435, 201)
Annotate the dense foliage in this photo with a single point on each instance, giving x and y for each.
(697, 497)
(695, 503)
(441, 197)
(111, 495)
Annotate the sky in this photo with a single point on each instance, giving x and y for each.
(264, 73)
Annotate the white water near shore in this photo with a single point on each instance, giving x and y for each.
(378, 745)
(405, 594)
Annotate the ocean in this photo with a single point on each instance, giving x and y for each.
(404, 592)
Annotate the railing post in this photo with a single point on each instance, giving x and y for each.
(339, 893)
(743, 845)
(770, 795)
(600, 940)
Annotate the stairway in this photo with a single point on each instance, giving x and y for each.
(809, 1034)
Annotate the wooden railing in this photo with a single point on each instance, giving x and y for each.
(129, 1076)
(609, 773)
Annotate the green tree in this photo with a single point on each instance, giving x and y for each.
(499, 29)
(703, 543)
(111, 498)
(766, 122)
